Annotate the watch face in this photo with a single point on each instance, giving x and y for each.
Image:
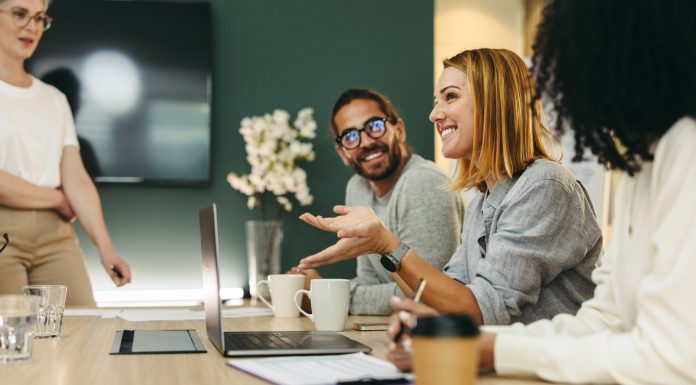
(388, 262)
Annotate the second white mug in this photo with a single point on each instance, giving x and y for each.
(282, 288)
(330, 301)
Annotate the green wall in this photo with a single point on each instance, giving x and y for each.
(275, 54)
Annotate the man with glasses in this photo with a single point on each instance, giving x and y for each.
(405, 191)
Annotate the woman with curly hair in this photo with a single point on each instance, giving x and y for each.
(622, 74)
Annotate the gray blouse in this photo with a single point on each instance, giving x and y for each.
(529, 246)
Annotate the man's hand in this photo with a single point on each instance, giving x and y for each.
(360, 230)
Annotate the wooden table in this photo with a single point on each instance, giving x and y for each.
(81, 355)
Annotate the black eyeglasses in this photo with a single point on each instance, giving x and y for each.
(374, 128)
(7, 242)
(21, 18)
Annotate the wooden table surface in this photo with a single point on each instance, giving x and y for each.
(81, 355)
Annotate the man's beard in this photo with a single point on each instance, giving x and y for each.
(393, 159)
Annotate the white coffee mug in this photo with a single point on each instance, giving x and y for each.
(330, 300)
(282, 288)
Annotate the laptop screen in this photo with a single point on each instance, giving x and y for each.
(211, 279)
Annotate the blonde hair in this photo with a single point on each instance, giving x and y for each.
(508, 130)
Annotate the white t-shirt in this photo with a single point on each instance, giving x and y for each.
(640, 327)
(35, 124)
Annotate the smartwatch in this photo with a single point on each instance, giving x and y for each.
(392, 261)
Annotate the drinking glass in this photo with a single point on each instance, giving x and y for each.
(17, 323)
(49, 318)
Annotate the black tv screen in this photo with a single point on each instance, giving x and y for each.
(137, 75)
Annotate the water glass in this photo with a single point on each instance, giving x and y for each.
(17, 323)
(50, 315)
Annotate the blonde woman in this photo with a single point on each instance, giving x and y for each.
(43, 184)
(530, 239)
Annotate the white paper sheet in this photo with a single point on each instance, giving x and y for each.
(103, 313)
(317, 370)
(238, 312)
(142, 315)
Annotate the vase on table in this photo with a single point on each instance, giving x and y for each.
(264, 238)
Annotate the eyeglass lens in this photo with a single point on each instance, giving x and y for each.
(374, 129)
(22, 18)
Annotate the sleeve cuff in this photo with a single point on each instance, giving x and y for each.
(492, 308)
(516, 354)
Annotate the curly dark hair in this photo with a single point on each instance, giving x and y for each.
(617, 70)
(348, 96)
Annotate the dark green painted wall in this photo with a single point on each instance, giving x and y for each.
(285, 54)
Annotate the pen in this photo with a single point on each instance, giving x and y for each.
(416, 298)
(116, 271)
(375, 381)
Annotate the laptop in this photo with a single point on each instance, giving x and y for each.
(237, 344)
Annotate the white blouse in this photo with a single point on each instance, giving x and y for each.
(35, 124)
(640, 326)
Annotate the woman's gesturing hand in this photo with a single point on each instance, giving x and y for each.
(360, 230)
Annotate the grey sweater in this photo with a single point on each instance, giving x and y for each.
(420, 213)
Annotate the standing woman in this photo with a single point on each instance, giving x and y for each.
(43, 184)
(623, 75)
(520, 259)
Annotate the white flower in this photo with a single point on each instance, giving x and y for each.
(273, 148)
(240, 183)
(281, 116)
(284, 202)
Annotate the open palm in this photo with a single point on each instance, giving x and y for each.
(359, 229)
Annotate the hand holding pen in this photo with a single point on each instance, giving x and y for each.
(405, 318)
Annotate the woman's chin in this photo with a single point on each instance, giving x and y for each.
(450, 153)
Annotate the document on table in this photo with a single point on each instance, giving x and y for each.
(318, 370)
(139, 315)
(103, 313)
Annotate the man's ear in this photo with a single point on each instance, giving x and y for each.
(400, 127)
(342, 154)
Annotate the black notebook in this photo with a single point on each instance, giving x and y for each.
(157, 342)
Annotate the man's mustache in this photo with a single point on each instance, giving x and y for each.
(374, 147)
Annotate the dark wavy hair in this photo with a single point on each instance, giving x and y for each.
(385, 105)
(617, 71)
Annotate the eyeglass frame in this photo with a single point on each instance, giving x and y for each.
(46, 24)
(339, 139)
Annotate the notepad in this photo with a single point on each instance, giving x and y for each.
(156, 342)
(318, 370)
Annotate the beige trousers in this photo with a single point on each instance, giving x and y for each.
(43, 250)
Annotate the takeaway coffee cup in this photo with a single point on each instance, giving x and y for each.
(445, 350)
(282, 287)
(330, 300)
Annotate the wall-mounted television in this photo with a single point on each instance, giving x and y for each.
(137, 74)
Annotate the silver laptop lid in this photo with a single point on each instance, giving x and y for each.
(211, 279)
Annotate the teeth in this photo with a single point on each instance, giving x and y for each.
(447, 132)
(374, 155)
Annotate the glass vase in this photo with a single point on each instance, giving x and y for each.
(263, 251)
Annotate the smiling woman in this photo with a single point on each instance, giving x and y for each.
(487, 93)
(43, 184)
(519, 260)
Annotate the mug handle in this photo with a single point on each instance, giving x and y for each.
(258, 291)
(299, 307)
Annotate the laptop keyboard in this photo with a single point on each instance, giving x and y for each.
(266, 340)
